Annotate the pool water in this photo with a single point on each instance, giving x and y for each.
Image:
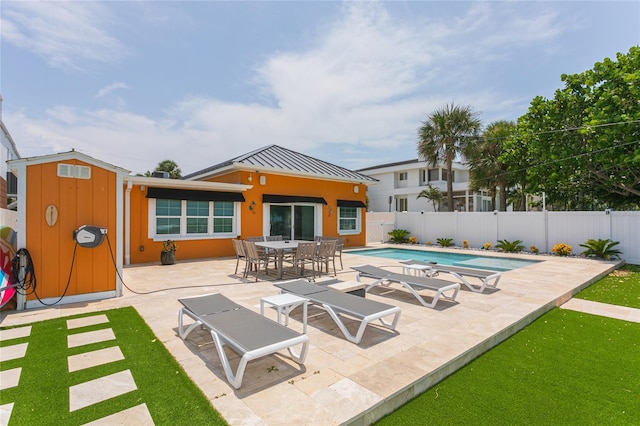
(445, 258)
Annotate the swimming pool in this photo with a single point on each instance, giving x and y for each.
(446, 258)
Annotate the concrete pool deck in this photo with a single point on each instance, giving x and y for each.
(341, 382)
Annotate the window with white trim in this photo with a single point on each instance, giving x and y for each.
(403, 176)
(193, 218)
(349, 220)
(168, 213)
(223, 217)
(403, 204)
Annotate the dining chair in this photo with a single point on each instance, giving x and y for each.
(326, 253)
(254, 259)
(305, 254)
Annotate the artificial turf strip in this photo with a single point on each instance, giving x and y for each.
(565, 368)
(42, 396)
(621, 287)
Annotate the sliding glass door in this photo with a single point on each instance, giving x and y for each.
(292, 221)
(280, 220)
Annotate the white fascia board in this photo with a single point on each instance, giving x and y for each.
(187, 184)
(64, 156)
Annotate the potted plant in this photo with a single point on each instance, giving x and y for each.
(168, 253)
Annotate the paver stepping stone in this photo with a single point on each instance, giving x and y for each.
(87, 321)
(138, 415)
(5, 413)
(8, 353)
(93, 358)
(90, 337)
(10, 378)
(98, 390)
(15, 333)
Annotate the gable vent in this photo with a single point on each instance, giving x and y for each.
(73, 171)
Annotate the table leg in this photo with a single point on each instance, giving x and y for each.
(261, 307)
(304, 317)
(280, 255)
(279, 309)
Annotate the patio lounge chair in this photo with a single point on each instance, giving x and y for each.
(336, 302)
(489, 279)
(248, 333)
(410, 282)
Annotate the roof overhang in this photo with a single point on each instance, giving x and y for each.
(66, 156)
(186, 184)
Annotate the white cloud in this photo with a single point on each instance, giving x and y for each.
(362, 88)
(110, 88)
(65, 34)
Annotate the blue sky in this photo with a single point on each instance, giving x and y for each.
(135, 83)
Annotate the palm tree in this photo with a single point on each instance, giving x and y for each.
(445, 135)
(486, 169)
(171, 167)
(432, 194)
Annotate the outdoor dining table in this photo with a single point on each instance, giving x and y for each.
(280, 248)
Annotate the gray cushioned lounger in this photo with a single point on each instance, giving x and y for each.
(336, 302)
(247, 332)
(445, 289)
(489, 279)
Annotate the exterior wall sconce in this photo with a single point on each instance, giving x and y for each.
(252, 207)
(263, 180)
(330, 210)
(250, 178)
(356, 188)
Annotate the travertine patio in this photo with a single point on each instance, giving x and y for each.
(341, 382)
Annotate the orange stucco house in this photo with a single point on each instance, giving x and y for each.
(269, 191)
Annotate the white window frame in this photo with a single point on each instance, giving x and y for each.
(400, 201)
(358, 220)
(210, 235)
(402, 176)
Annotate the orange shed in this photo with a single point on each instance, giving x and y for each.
(57, 194)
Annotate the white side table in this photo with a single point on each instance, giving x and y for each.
(417, 270)
(352, 287)
(287, 301)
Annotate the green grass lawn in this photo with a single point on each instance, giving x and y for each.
(42, 395)
(565, 368)
(622, 287)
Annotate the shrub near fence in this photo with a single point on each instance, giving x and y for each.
(540, 229)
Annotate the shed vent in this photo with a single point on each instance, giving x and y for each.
(73, 171)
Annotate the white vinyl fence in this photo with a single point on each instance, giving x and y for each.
(540, 229)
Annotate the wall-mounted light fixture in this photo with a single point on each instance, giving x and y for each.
(252, 207)
(329, 210)
(250, 178)
(356, 188)
(263, 180)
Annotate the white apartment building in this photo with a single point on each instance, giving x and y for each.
(401, 182)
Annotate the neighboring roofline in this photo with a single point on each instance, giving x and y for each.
(402, 163)
(69, 155)
(9, 138)
(186, 184)
(397, 163)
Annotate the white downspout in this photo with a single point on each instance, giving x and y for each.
(21, 173)
(127, 224)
